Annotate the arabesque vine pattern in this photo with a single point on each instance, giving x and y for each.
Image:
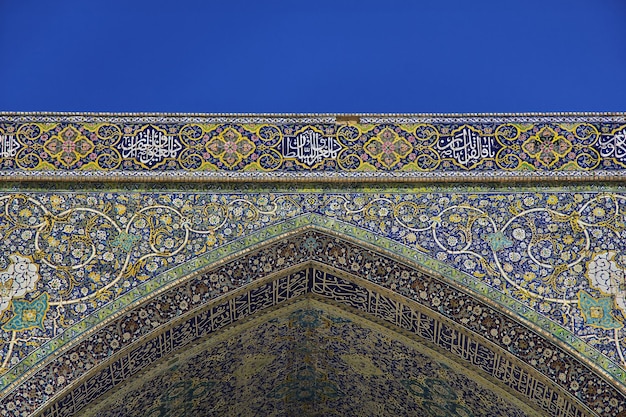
(85, 256)
(65, 255)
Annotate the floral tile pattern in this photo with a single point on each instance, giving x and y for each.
(542, 371)
(114, 242)
(191, 146)
(75, 254)
(68, 147)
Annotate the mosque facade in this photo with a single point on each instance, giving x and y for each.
(208, 264)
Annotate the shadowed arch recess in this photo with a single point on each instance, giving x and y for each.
(308, 357)
(467, 328)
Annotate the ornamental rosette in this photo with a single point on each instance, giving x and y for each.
(388, 148)
(547, 146)
(608, 277)
(230, 147)
(28, 314)
(69, 146)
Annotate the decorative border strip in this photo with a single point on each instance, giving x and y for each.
(312, 147)
(316, 177)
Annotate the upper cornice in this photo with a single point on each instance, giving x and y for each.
(469, 147)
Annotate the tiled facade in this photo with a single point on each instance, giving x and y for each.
(514, 225)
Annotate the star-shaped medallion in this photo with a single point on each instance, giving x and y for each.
(28, 314)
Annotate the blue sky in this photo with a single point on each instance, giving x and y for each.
(322, 56)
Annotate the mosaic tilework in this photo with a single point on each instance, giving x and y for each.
(75, 254)
(70, 254)
(83, 145)
(308, 359)
(505, 336)
(424, 325)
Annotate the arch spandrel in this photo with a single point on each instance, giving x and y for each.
(305, 241)
(547, 255)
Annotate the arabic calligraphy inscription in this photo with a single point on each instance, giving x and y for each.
(150, 147)
(614, 146)
(8, 146)
(310, 147)
(467, 146)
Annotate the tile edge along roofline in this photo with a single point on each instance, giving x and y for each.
(450, 147)
(324, 114)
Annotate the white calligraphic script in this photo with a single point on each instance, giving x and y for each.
(150, 147)
(8, 146)
(310, 147)
(467, 147)
(613, 146)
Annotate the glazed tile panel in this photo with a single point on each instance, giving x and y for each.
(53, 310)
(84, 145)
(67, 255)
(368, 302)
(306, 360)
(74, 255)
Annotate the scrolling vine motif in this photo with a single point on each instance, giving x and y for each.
(81, 257)
(67, 254)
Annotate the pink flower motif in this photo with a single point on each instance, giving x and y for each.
(547, 147)
(388, 147)
(230, 147)
(68, 146)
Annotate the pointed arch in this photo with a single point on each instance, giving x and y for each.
(154, 327)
